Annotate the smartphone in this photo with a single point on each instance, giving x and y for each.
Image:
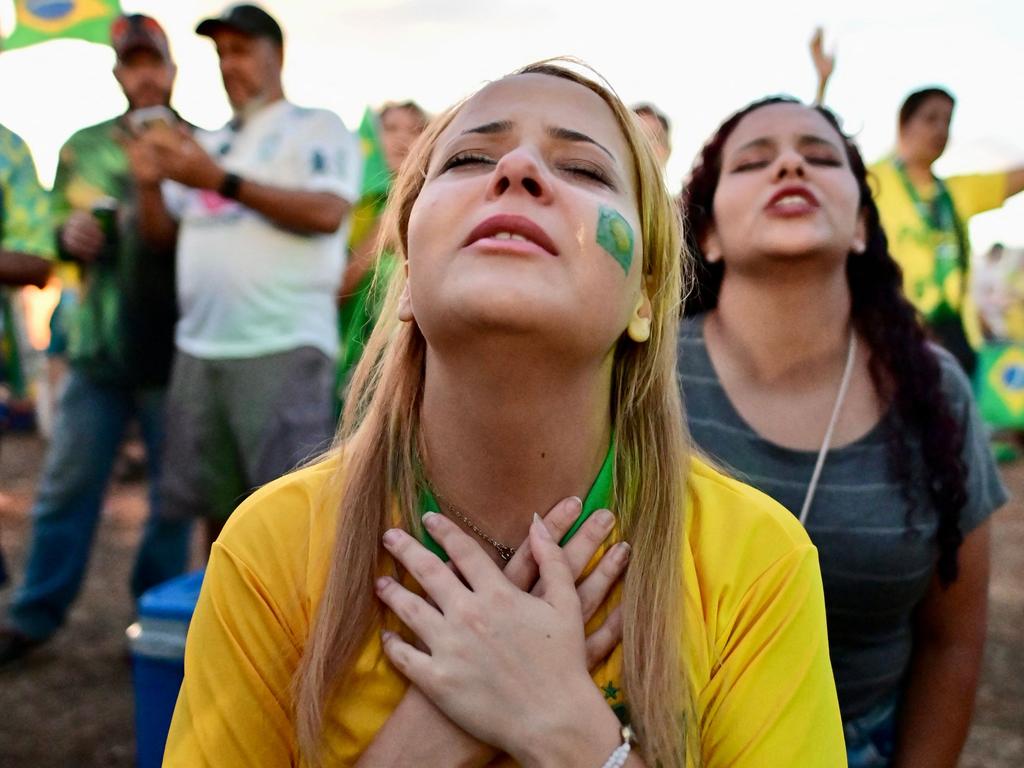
(141, 120)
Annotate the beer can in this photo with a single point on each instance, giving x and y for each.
(104, 211)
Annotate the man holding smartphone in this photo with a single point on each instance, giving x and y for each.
(262, 206)
(120, 343)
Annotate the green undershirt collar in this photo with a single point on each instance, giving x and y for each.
(599, 497)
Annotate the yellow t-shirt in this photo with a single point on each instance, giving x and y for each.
(914, 245)
(757, 651)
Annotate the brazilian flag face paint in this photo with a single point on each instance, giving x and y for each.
(616, 236)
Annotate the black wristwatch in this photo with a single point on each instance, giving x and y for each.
(230, 186)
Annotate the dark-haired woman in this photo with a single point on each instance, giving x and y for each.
(805, 372)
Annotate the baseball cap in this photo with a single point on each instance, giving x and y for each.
(248, 19)
(130, 32)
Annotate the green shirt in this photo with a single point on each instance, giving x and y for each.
(358, 314)
(24, 227)
(356, 319)
(122, 331)
(24, 206)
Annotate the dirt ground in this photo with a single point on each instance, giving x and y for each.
(70, 704)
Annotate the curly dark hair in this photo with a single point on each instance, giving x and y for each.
(904, 371)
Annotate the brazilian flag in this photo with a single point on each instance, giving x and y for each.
(376, 176)
(40, 20)
(358, 313)
(999, 384)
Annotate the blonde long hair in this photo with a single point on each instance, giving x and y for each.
(381, 441)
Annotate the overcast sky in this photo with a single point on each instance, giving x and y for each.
(697, 61)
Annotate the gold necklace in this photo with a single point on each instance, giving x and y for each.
(504, 550)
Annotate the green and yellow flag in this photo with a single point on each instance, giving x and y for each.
(40, 20)
(376, 176)
(999, 385)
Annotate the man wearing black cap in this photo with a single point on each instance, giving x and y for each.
(261, 205)
(120, 346)
(250, 46)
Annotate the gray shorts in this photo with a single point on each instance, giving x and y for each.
(234, 425)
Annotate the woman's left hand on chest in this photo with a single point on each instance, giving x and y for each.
(506, 665)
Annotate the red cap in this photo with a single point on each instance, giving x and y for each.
(130, 32)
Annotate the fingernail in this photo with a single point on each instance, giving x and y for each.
(382, 582)
(391, 537)
(622, 551)
(386, 635)
(429, 519)
(604, 518)
(541, 528)
(576, 502)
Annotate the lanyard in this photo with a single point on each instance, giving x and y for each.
(938, 214)
(844, 385)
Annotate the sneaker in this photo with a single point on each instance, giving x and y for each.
(15, 644)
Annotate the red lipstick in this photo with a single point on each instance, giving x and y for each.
(792, 200)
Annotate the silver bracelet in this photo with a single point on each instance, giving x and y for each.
(618, 758)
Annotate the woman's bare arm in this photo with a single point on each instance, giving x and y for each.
(948, 644)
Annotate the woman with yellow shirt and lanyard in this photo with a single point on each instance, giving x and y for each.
(925, 217)
(526, 354)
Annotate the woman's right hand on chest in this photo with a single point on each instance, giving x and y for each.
(418, 733)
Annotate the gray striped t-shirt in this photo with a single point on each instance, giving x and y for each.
(875, 569)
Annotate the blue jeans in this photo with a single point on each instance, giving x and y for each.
(871, 738)
(90, 424)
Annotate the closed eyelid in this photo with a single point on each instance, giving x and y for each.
(556, 158)
(771, 145)
(825, 148)
(741, 159)
(588, 157)
(442, 159)
(477, 138)
(462, 158)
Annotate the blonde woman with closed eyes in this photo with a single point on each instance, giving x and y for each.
(405, 600)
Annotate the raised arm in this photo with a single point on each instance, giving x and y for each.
(824, 64)
(1015, 181)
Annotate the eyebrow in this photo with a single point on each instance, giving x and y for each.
(807, 139)
(499, 126)
(563, 134)
(567, 134)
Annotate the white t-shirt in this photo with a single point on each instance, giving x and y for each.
(247, 287)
